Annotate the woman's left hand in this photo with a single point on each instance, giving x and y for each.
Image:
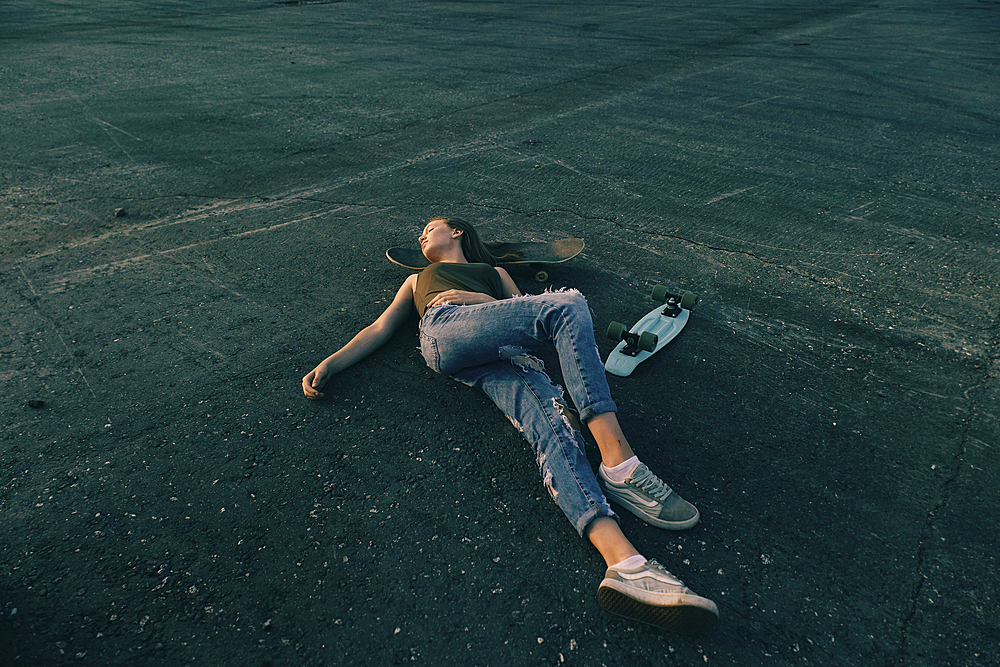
(459, 298)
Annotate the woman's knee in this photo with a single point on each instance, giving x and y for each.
(571, 301)
(577, 306)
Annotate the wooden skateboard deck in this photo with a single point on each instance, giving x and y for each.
(657, 328)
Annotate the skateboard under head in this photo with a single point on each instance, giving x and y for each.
(530, 252)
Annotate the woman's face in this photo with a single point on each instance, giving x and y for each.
(438, 236)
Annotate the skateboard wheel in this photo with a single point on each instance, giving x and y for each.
(615, 330)
(541, 276)
(660, 293)
(688, 300)
(648, 341)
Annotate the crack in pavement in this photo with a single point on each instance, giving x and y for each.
(976, 399)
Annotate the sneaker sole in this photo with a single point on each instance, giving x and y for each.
(682, 619)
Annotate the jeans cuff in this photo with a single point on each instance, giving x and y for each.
(594, 512)
(598, 408)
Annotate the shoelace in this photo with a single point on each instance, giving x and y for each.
(662, 570)
(651, 484)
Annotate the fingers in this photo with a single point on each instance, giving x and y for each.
(309, 386)
(455, 297)
(442, 298)
(459, 298)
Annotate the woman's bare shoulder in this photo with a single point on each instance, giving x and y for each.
(409, 286)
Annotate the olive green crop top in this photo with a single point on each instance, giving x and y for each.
(443, 276)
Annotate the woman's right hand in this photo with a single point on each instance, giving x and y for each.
(314, 381)
(364, 343)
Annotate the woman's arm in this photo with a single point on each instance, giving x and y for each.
(509, 286)
(365, 342)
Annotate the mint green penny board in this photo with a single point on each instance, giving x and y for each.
(659, 326)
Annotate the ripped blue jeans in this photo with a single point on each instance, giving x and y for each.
(487, 346)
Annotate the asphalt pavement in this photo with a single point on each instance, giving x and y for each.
(195, 203)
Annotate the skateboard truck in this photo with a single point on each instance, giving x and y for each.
(673, 308)
(634, 343)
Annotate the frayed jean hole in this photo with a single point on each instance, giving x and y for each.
(547, 481)
(569, 417)
(508, 352)
(524, 361)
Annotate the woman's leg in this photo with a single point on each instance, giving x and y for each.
(535, 406)
(607, 536)
(610, 439)
(633, 587)
(454, 338)
(538, 410)
(467, 345)
(457, 337)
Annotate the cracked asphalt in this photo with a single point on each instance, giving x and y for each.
(196, 201)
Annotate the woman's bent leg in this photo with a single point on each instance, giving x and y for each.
(458, 337)
(538, 410)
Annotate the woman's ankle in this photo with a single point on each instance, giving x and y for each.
(608, 538)
(610, 440)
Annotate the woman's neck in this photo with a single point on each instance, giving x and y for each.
(455, 256)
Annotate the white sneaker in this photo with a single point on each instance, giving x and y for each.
(650, 594)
